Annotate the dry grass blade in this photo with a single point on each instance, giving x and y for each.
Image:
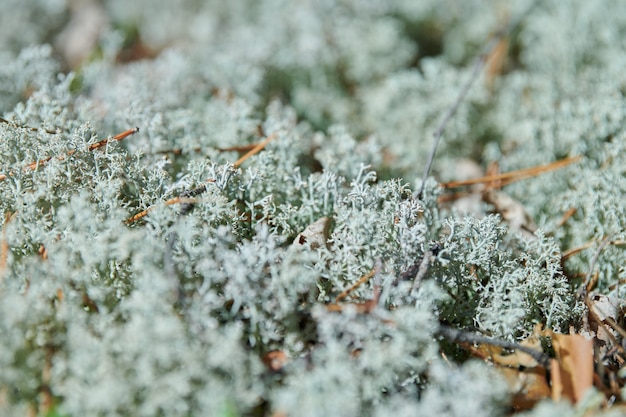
(568, 215)
(365, 307)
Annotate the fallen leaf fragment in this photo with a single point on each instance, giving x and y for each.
(606, 307)
(572, 370)
(314, 236)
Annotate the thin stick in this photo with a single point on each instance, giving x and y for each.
(463, 336)
(571, 252)
(479, 64)
(240, 149)
(145, 212)
(568, 214)
(365, 307)
(512, 176)
(619, 329)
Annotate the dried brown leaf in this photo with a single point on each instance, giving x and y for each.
(572, 370)
(314, 236)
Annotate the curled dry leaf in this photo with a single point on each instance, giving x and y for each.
(315, 235)
(607, 317)
(607, 307)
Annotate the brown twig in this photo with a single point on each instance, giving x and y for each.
(463, 336)
(568, 215)
(240, 148)
(619, 329)
(115, 138)
(574, 251)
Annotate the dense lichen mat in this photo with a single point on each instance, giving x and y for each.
(219, 208)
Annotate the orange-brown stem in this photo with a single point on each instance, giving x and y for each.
(258, 148)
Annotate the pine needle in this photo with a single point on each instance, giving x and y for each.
(513, 176)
